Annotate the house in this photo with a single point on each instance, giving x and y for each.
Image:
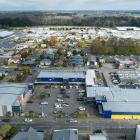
(66, 134)
(76, 60)
(31, 134)
(125, 63)
(14, 59)
(29, 62)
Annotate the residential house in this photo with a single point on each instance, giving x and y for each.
(31, 134)
(66, 134)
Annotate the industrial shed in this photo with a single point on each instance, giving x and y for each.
(61, 77)
(116, 103)
(67, 77)
(11, 97)
(137, 137)
(90, 77)
(4, 34)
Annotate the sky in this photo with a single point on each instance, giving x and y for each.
(6, 5)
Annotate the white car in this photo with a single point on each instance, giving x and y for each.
(44, 103)
(60, 100)
(57, 105)
(73, 121)
(65, 105)
(81, 91)
(28, 120)
(81, 108)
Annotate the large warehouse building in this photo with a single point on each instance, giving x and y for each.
(5, 34)
(116, 103)
(11, 97)
(66, 77)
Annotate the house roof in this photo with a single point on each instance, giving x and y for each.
(31, 134)
(67, 134)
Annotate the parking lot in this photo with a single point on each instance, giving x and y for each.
(50, 106)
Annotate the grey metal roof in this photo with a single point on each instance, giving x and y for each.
(118, 100)
(114, 93)
(67, 134)
(6, 33)
(31, 134)
(10, 92)
(61, 73)
(130, 107)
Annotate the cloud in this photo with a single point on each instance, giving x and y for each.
(69, 4)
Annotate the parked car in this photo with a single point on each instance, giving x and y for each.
(60, 100)
(30, 101)
(6, 120)
(65, 104)
(97, 131)
(66, 96)
(81, 108)
(80, 99)
(28, 120)
(73, 121)
(57, 105)
(44, 103)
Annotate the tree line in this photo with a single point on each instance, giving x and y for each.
(115, 46)
(100, 21)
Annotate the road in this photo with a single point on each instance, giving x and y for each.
(81, 125)
(113, 129)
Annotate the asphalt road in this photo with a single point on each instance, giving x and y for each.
(113, 129)
(81, 125)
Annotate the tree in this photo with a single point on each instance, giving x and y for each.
(42, 96)
(8, 114)
(24, 54)
(81, 44)
(53, 41)
(19, 77)
(26, 70)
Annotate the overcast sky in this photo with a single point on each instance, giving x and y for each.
(69, 5)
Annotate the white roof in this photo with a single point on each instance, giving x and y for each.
(98, 137)
(137, 133)
(61, 73)
(114, 94)
(10, 92)
(6, 33)
(90, 77)
(126, 28)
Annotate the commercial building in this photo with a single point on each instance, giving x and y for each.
(66, 77)
(12, 97)
(61, 77)
(4, 34)
(115, 102)
(127, 28)
(66, 134)
(137, 137)
(90, 77)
